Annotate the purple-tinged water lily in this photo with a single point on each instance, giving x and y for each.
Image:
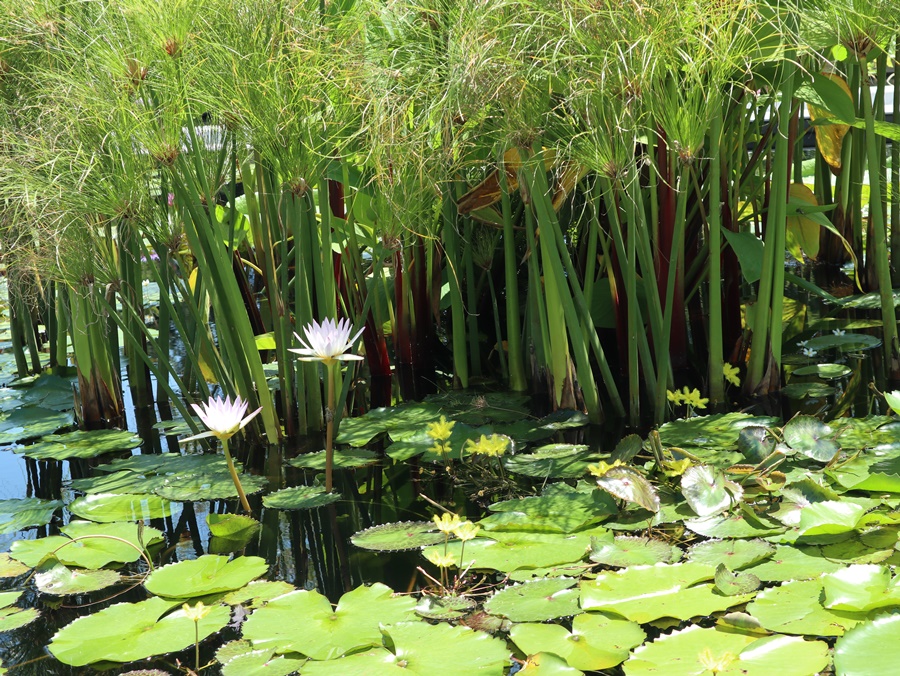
(327, 342)
(223, 418)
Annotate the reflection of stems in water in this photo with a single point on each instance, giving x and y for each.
(235, 478)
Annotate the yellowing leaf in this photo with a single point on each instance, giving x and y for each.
(830, 137)
(802, 231)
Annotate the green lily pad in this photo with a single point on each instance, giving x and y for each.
(200, 487)
(734, 525)
(88, 545)
(793, 563)
(9, 567)
(421, 649)
(861, 588)
(208, 574)
(232, 525)
(31, 422)
(807, 390)
(646, 593)
(147, 473)
(732, 584)
(396, 421)
(13, 617)
(257, 593)
(19, 514)
(702, 651)
(846, 342)
(561, 509)
(398, 537)
(755, 443)
(126, 632)
(715, 431)
(262, 663)
(735, 554)
(305, 622)
(547, 664)
(627, 448)
(81, 444)
(46, 390)
(810, 436)
(300, 497)
(448, 607)
(626, 484)
(624, 550)
(479, 408)
(419, 443)
(556, 461)
(827, 371)
(869, 649)
(596, 642)
(707, 491)
(536, 601)
(795, 607)
(59, 580)
(106, 508)
(830, 517)
(346, 459)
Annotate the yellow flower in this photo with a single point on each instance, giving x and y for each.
(441, 560)
(675, 397)
(731, 374)
(446, 523)
(601, 468)
(198, 612)
(494, 445)
(694, 400)
(466, 531)
(440, 430)
(676, 467)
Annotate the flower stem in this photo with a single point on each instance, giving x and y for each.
(329, 429)
(197, 645)
(234, 477)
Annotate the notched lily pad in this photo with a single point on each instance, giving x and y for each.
(735, 554)
(21, 513)
(536, 601)
(208, 574)
(31, 422)
(350, 458)
(732, 584)
(107, 508)
(300, 497)
(81, 444)
(624, 550)
(449, 607)
(398, 537)
(59, 580)
(811, 437)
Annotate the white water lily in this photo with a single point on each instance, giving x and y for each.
(223, 418)
(327, 342)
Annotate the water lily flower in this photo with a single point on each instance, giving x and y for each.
(197, 612)
(446, 523)
(731, 374)
(838, 332)
(441, 560)
(440, 430)
(809, 352)
(223, 418)
(327, 342)
(466, 531)
(802, 343)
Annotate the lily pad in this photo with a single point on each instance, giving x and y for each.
(807, 390)
(59, 580)
(795, 607)
(306, 622)
(106, 508)
(626, 484)
(700, 651)
(257, 593)
(81, 444)
(793, 563)
(13, 617)
(22, 513)
(9, 567)
(88, 545)
(623, 551)
(262, 663)
(596, 642)
(126, 632)
(547, 664)
(716, 431)
(827, 371)
(199, 487)
(845, 342)
(810, 436)
(707, 491)
(448, 607)
(397, 421)
(558, 461)
(869, 649)
(755, 443)
(738, 524)
(732, 584)
(536, 601)
(397, 537)
(350, 458)
(861, 588)
(300, 497)
(31, 422)
(561, 509)
(232, 525)
(421, 649)
(208, 574)
(735, 554)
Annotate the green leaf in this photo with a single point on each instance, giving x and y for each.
(795, 607)
(397, 537)
(749, 251)
(808, 435)
(707, 491)
(127, 632)
(626, 484)
(421, 649)
(536, 601)
(300, 497)
(257, 593)
(735, 554)
(397, 421)
(22, 513)
(732, 584)
(9, 567)
(305, 622)
(59, 580)
(547, 664)
(555, 461)
(869, 649)
(262, 663)
(793, 563)
(12, 617)
(624, 550)
(107, 508)
(831, 517)
(208, 574)
(861, 588)
(232, 525)
(596, 642)
(734, 525)
(98, 545)
(200, 487)
(561, 509)
(755, 443)
(827, 371)
(81, 444)
(31, 422)
(822, 92)
(714, 431)
(449, 607)
(350, 458)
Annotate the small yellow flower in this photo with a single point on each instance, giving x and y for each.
(731, 374)
(441, 560)
(198, 612)
(440, 430)
(466, 531)
(676, 467)
(675, 397)
(446, 523)
(494, 445)
(694, 400)
(601, 468)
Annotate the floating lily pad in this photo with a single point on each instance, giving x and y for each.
(827, 518)
(346, 459)
(81, 444)
(208, 574)
(31, 422)
(106, 508)
(732, 584)
(561, 509)
(734, 525)
(419, 443)
(300, 497)
(231, 525)
(88, 545)
(397, 537)
(793, 563)
(755, 443)
(306, 622)
(869, 649)
(627, 448)
(22, 513)
(827, 371)
(626, 484)
(9, 567)
(795, 607)
(448, 607)
(807, 390)
(845, 342)
(623, 551)
(700, 651)
(536, 601)
(596, 642)
(811, 437)
(199, 487)
(59, 580)
(646, 593)
(127, 632)
(707, 491)
(257, 593)
(46, 390)
(13, 617)
(421, 649)
(547, 664)
(735, 554)
(557, 461)
(147, 473)
(397, 421)
(716, 431)
(861, 588)
(262, 663)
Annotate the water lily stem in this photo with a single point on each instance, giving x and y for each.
(234, 477)
(197, 646)
(329, 428)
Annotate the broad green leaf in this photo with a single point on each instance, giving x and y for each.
(88, 545)
(31, 422)
(861, 588)
(231, 525)
(257, 593)
(126, 632)
(536, 601)
(707, 491)
(557, 461)
(755, 443)
(845, 342)
(262, 663)
(793, 563)
(300, 497)
(732, 584)
(623, 551)
(811, 437)
(9, 567)
(734, 525)
(828, 371)
(561, 509)
(626, 484)
(421, 649)
(547, 664)
(749, 251)
(448, 607)
(13, 617)
(208, 574)
(795, 607)
(81, 444)
(396, 537)
(716, 431)
(346, 459)
(735, 554)
(596, 642)
(398, 421)
(305, 622)
(107, 508)
(21, 513)
(199, 487)
(869, 649)
(830, 517)
(59, 580)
